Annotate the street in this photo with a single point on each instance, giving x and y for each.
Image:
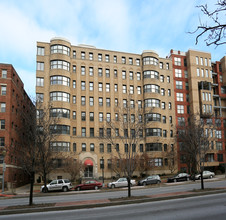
(206, 207)
(136, 191)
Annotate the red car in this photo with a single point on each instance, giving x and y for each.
(90, 184)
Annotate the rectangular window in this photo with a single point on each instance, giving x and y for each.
(107, 87)
(101, 148)
(180, 97)
(83, 147)
(3, 90)
(91, 71)
(100, 87)
(109, 148)
(138, 62)
(107, 58)
(74, 84)
(40, 51)
(123, 74)
(99, 57)
(90, 56)
(100, 72)
(131, 75)
(197, 60)
(83, 85)
(40, 66)
(2, 124)
(91, 101)
(179, 85)
(83, 132)
(74, 147)
(4, 74)
(116, 87)
(178, 73)
(74, 68)
(74, 130)
(101, 117)
(177, 61)
(91, 133)
(74, 54)
(115, 59)
(83, 55)
(100, 101)
(74, 99)
(83, 100)
(138, 76)
(83, 116)
(90, 86)
(123, 60)
(108, 102)
(124, 89)
(83, 71)
(130, 61)
(138, 90)
(74, 115)
(107, 72)
(115, 73)
(180, 109)
(2, 107)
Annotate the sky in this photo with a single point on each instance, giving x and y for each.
(119, 25)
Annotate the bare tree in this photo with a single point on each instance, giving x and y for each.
(195, 138)
(127, 129)
(26, 151)
(215, 27)
(171, 156)
(47, 132)
(73, 167)
(145, 163)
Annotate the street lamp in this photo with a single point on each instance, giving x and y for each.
(3, 153)
(102, 167)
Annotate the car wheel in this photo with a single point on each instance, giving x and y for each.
(175, 180)
(158, 182)
(187, 178)
(211, 177)
(144, 184)
(112, 186)
(64, 189)
(96, 187)
(78, 189)
(199, 178)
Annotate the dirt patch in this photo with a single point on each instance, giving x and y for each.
(30, 206)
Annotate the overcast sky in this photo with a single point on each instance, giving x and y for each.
(121, 25)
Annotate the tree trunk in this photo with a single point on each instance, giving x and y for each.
(202, 182)
(45, 182)
(31, 188)
(129, 186)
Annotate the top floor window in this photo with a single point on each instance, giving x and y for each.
(90, 56)
(177, 61)
(131, 61)
(4, 74)
(99, 57)
(138, 62)
(57, 48)
(150, 61)
(40, 51)
(107, 58)
(83, 55)
(123, 60)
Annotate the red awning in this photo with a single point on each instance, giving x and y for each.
(88, 162)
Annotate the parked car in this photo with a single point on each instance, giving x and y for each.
(59, 184)
(206, 175)
(154, 179)
(121, 182)
(179, 177)
(90, 184)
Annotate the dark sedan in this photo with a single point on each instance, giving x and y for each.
(90, 184)
(154, 179)
(179, 177)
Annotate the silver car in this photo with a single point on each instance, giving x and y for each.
(206, 175)
(121, 182)
(55, 185)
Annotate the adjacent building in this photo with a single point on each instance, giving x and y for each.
(15, 108)
(85, 85)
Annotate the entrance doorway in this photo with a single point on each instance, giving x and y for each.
(88, 172)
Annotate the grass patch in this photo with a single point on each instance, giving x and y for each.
(30, 206)
(128, 198)
(205, 189)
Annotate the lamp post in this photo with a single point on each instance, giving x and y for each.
(3, 153)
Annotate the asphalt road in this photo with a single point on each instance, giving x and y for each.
(206, 207)
(138, 191)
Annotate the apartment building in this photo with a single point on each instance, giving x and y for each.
(199, 89)
(85, 85)
(15, 108)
